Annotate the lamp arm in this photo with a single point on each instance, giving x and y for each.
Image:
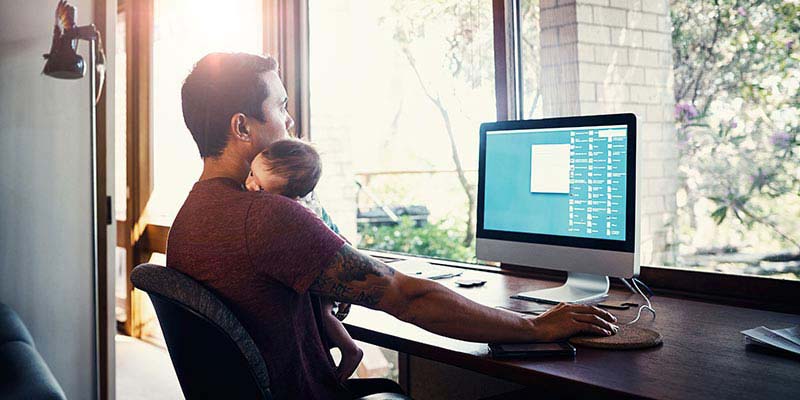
(90, 33)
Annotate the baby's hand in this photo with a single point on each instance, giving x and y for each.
(350, 360)
(251, 183)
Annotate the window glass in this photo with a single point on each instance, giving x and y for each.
(530, 61)
(714, 86)
(736, 71)
(398, 91)
(183, 33)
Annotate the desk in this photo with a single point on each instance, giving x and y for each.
(703, 356)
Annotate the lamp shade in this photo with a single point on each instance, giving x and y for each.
(63, 61)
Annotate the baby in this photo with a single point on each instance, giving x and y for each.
(292, 168)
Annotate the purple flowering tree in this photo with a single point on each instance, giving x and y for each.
(737, 72)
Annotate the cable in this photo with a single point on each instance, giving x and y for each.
(646, 288)
(625, 281)
(648, 306)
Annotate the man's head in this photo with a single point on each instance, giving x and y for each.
(289, 167)
(235, 102)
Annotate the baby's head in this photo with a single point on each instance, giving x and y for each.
(288, 167)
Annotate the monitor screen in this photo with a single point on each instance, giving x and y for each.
(564, 181)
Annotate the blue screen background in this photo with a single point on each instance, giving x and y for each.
(510, 206)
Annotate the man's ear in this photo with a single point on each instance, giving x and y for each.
(239, 127)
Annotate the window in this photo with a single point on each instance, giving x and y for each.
(715, 92)
(396, 101)
(397, 90)
(530, 53)
(183, 33)
(714, 89)
(736, 74)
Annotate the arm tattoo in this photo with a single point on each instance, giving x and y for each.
(355, 278)
(357, 267)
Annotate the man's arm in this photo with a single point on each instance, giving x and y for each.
(356, 278)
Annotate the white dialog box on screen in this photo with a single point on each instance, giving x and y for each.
(550, 168)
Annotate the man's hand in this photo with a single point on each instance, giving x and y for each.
(342, 310)
(565, 320)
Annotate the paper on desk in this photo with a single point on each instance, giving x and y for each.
(768, 337)
(792, 334)
(421, 269)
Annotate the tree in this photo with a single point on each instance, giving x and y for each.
(530, 46)
(737, 71)
(467, 58)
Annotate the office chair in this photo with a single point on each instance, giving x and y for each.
(213, 355)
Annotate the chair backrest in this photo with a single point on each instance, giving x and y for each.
(211, 352)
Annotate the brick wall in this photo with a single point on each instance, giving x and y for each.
(331, 127)
(608, 56)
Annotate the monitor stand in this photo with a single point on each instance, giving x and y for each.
(579, 288)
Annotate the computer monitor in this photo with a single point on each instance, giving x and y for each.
(560, 194)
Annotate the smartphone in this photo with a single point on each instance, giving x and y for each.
(531, 350)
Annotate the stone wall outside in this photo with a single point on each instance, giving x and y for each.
(610, 56)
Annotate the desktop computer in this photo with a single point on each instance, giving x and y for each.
(560, 194)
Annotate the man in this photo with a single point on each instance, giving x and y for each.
(264, 255)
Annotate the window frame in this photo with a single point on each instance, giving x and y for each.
(745, 290)
(286, 37)
(139, 152)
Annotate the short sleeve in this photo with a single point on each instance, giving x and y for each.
(287, 242)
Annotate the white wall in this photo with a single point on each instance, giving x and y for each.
(45, 258)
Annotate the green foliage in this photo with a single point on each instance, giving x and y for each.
(737, 72)
(459, 31)
(432, 240)
(736, 82)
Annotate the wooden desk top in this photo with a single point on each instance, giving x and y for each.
(703, 356)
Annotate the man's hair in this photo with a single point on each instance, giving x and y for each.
(297, 162)
(219, 86)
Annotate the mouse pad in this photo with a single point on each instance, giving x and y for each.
(628, 338)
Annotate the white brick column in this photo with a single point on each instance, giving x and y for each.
(331, 127)
(622, 51)
(559, 58)
(337, 188)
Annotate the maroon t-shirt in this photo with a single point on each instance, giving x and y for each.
(260, 253)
